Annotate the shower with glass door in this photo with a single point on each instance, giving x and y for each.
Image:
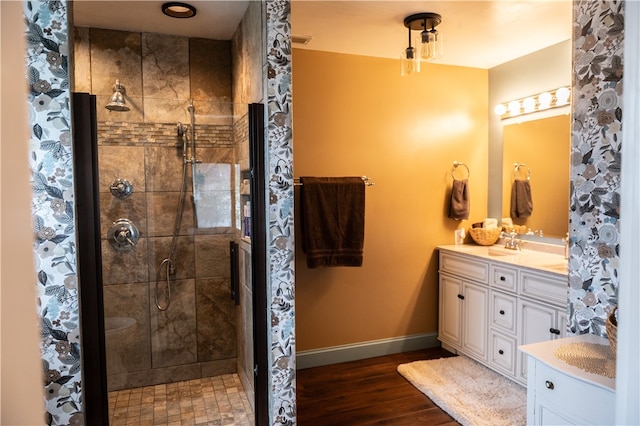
(169, 208)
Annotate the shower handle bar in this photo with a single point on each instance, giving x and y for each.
(192, 119)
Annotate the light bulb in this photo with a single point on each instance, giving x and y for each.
(428, 45)
(562, 96)
(514, 107)
(544, 99)
(409, 63)
(529, 104)
(500, 109)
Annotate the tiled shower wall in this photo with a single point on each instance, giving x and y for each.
(196, 336)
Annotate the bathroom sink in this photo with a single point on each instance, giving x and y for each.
(501, 252)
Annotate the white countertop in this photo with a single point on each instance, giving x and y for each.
(544, 352)
(527, 258)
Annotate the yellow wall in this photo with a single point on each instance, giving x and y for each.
(355, 115)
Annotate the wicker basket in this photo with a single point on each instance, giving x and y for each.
(612, 329)
(485, 237)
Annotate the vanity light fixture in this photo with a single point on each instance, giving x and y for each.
(430, 41)
(177, 9)
(545, 100)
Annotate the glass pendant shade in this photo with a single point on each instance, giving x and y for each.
(431, 46)
(409, 62)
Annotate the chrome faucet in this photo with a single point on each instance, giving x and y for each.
(512, 243)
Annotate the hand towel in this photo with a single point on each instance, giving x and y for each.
(490, 223)
(332, 220)
(507, 221)
(521, 201)
(459, 205)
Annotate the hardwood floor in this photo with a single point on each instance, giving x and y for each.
(367, 392)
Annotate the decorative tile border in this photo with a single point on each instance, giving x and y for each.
(595, 164)
(281, 234)
(53, 211)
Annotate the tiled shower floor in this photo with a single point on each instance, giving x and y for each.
(218, 400)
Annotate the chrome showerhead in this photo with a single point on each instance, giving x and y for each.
(117, 102)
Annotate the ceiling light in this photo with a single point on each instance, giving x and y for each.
(430, 41)
(178, 10)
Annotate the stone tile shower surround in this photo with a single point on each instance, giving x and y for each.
(196, 336)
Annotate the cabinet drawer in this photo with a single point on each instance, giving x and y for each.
(464, 266)
(504, 308)
(504, 278)
(544, 288)
(554, 389)
(502, 353)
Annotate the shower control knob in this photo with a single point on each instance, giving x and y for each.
(123, 235)
(121, 188)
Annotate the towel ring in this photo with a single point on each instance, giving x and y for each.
(516, 166)
(455, 166)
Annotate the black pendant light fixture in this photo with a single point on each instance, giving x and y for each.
(430, 47)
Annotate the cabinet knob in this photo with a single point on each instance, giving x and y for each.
(554, 331)
(548, 384)
(501, 311)
(461, 297)
(501, 352)
(503, 279)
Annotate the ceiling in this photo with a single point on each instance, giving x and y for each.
(476, 33)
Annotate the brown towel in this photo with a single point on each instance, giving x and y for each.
(459, 205)
(521, 202)
(332, 220)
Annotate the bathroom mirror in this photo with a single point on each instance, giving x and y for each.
(543, 146)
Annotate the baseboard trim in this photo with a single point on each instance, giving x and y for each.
(363, 350)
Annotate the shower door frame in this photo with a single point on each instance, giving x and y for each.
(93, 350)
(259, 261)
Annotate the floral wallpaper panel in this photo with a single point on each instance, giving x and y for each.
(595, 164)
(53, 212)
(280, 231)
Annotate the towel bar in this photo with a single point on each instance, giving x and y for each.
(366, 179)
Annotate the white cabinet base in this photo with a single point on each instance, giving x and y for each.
(561, 394)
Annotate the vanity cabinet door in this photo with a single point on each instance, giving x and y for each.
(463, 318)
(449, 318)
(474, 319)
(539, 323)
